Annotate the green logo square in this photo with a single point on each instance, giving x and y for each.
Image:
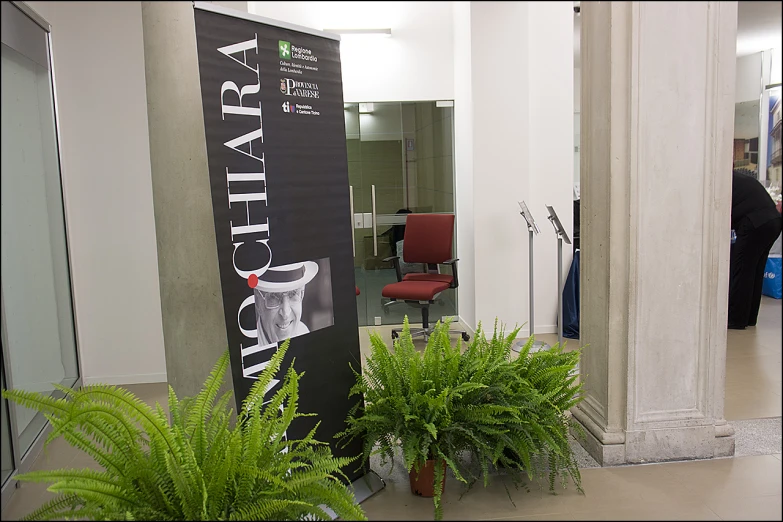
(284, 48)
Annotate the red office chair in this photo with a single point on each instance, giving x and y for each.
(427, 240)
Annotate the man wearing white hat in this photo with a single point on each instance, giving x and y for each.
(278, 294)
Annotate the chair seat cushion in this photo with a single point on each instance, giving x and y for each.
(440, 278)
(414, 290)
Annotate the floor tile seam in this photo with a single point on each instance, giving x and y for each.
(759, 381)
(678, 477)
(656, 504)
(706, 496)
(517, 517)
(753, 496)
(721, 518)
(740, 374)
(751, 361)
(713, 459)
(537, 514)
(713, 512)
(751, 419)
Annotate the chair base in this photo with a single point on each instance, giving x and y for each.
(426, 332)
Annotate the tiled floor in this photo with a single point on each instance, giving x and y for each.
(740, 488)
(745, 488)
(753, 367)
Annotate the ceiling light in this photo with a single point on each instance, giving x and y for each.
(384, 33)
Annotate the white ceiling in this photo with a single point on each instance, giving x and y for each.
(758, 28)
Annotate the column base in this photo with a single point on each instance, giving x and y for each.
(660, 445)
(604, 454)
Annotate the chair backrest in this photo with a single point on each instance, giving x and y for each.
(428, 238)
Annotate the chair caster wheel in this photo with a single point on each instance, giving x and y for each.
(465, 337)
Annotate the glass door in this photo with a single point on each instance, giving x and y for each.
(400, 161)
(38, 332)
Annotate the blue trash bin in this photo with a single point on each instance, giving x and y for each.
(773, 279)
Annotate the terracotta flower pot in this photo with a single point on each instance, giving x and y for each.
(423, 481)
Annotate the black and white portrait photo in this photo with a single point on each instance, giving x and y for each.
(293, 300)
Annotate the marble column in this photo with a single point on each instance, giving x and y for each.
(657, 126)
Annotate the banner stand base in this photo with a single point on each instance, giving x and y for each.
(363, 488)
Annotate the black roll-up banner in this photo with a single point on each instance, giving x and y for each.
(275, 131)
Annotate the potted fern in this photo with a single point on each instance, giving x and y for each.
(195, 466)
(409, 402)
(447, 408)
(543, 387)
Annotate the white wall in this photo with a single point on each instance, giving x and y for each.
(510, 149)
(499, 50)
(551, 134)
(99, 72)
(748, 80)
(415, 64)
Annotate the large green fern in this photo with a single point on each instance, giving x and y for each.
(543, 386)
(473, 406)
(195, 466)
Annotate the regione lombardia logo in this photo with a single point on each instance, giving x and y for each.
(284, 49)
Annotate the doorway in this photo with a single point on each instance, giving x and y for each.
(400, 161)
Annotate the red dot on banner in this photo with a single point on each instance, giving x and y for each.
(252, 281)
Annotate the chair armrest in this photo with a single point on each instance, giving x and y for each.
(453, 263)
(396, 261)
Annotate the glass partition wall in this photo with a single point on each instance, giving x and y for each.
(756, 150)
(400, 161)
(38, 333)
(747, 115)
(772, 115)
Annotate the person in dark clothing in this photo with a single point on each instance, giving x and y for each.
(397, 232)
(757, 223)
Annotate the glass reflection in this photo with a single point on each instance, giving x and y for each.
(405, 151)
(38, 317)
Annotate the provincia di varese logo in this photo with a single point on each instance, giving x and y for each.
(290, 53)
